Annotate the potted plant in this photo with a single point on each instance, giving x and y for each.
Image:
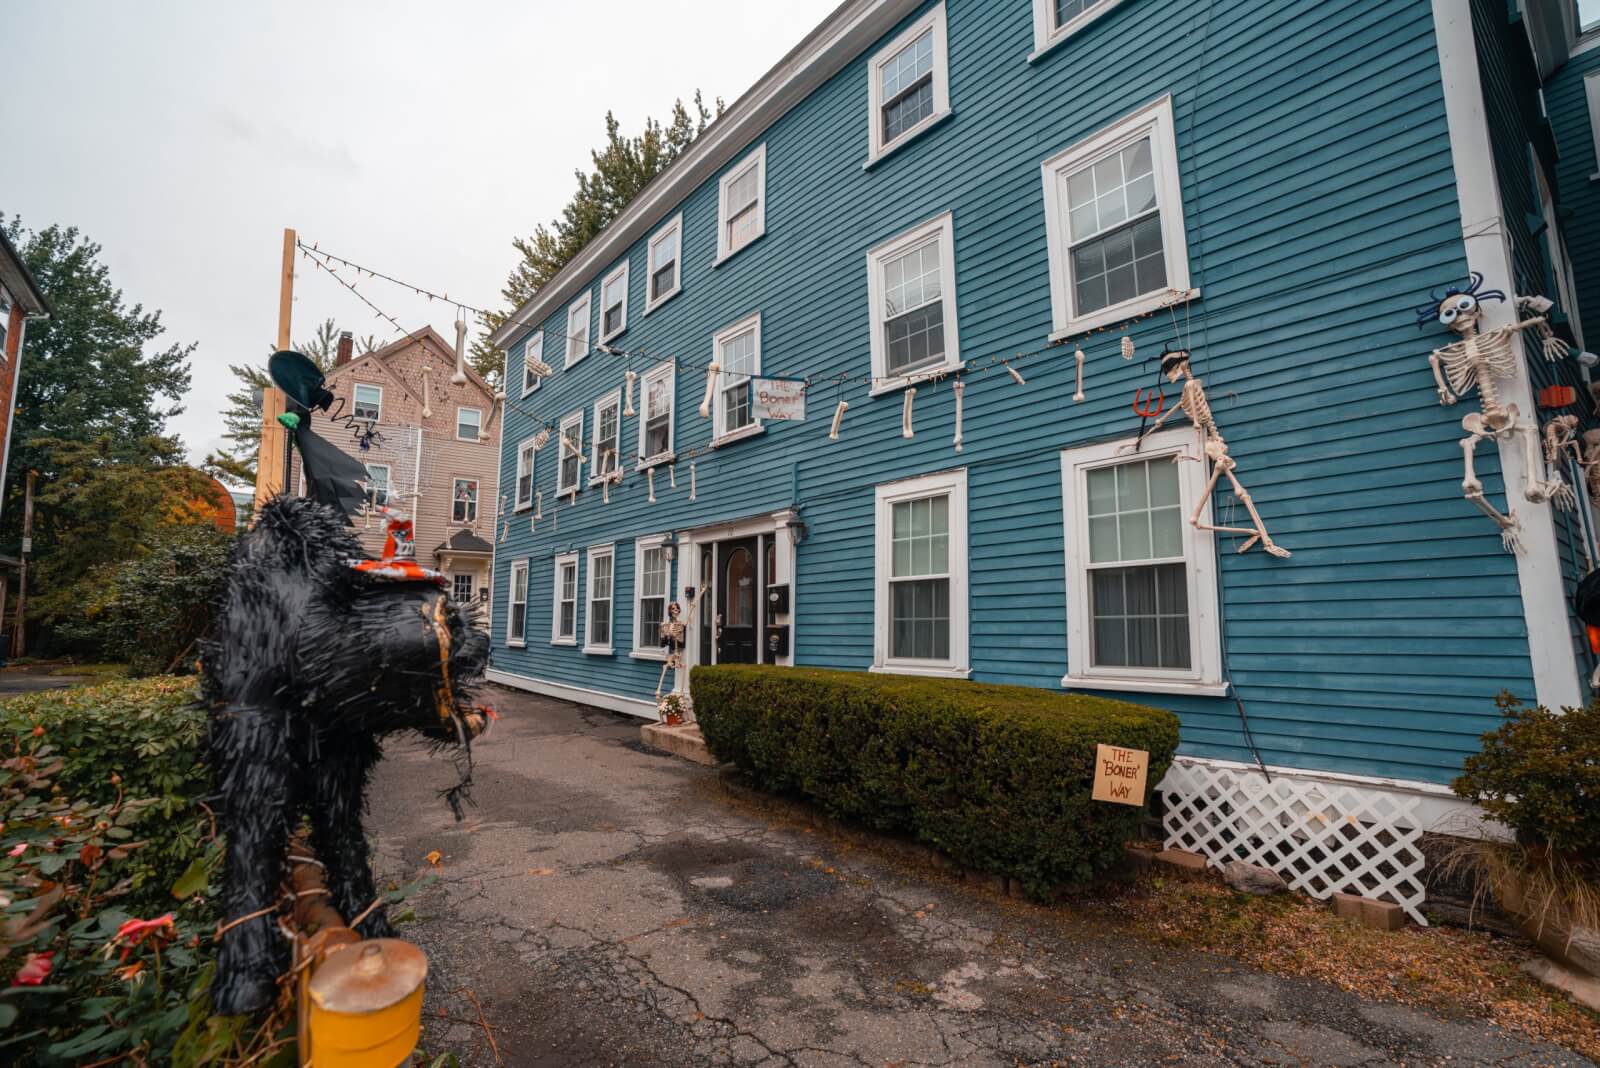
(1539, 775)
(671, 710)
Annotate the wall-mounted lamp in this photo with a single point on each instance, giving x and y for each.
(797, 529)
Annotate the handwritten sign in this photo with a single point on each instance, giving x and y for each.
(1119, 774)
(779, 399)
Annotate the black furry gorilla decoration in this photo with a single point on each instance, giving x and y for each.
(315, 656)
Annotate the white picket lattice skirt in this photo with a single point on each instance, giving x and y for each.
(1321, 837)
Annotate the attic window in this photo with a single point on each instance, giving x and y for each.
(469, 423)
(368, 402)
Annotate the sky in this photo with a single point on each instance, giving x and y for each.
(1588, 12)
(416, 138)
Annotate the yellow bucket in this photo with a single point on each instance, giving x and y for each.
(366, 1005)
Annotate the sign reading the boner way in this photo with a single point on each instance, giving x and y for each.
(1119, 774)
(779, 399)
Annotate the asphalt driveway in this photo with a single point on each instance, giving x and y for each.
(605, 905)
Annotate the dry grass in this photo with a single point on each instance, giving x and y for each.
(1447, 969)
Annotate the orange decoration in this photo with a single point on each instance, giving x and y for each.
(1557, 397)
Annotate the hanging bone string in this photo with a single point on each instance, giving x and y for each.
(838, 417)
(711, 385)
(905, 413)
(960, 387)
(627, 393)
(1078, 396)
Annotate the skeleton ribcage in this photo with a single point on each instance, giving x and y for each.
(1494, 351)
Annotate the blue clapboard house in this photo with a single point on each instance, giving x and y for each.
(917, 220)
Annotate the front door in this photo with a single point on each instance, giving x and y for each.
(738, 591)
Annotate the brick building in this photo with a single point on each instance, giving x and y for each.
(20, 300)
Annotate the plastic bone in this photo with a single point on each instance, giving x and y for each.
(1127, 347)
(960, 388)
(692, 493)
(627, 393)
(538, 504)
(905, 413)
(838, 417)
(541, 439)
(650, 480)
(672, 475)
(1479, 359)
(711, 386)
(1078, 396)
(1193, 402)
(1016, 376)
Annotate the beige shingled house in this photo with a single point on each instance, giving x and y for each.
(436, 454)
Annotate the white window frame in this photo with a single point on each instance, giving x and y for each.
(651, 303)
(877, 147)
(1591, 96)
(388, 485)
(571, 427)
(640, 547)
(578, 308)
(517, 639)
(462, 410)
(1154, 120)
(477, 500)
(1046, 34)
(953, 483)
(609, 400)
(590, 648)
(758, 158)
(669, 371)
(621, 273)
(533, 347)
(942, 229)
(472, 586)
(556, 637)
(355, 400)
(1204, 678)
(525, 457)
(720, 338)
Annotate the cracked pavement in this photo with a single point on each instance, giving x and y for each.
(608, 905)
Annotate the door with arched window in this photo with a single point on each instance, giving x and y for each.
(738, 615)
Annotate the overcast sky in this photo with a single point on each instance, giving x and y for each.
(414, 137)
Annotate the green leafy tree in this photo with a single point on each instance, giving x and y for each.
(241, 414)
(622, 167)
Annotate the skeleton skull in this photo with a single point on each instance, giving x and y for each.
(1460, 312)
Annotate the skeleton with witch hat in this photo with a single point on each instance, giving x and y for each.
(1193, 402)
(1478, 359)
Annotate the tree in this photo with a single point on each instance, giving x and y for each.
(87, 375)
(622, 167)
(242, 414)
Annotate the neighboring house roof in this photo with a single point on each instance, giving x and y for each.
(381, 355)
(464, 541)
(18, 280)
(826, 50)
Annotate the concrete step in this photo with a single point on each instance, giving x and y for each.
(683, 740)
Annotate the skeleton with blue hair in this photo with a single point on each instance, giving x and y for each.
(1477, 359)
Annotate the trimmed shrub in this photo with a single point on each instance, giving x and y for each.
(998, 777)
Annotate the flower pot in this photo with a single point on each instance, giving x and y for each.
(1549, 924)
(672, 719)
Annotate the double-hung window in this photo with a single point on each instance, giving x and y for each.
(737, 349)
(525, 454)
(564, 617)
(568, 470)
(909, 84)
(464, 500)
(577, 330)
(656, 414)
(368, 402)
(742, 204)
(664, 263)
(377, 484)
(469, 424)
(652, 573)
(911, 282)
(920, 595)
(614, 303)
(517, 610)
(533, 362)
(1141, 585)
(1114, 221)
(461, 586)
(1056, 20)
(597, 628)
(607, 444)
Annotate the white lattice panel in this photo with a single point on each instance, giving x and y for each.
(1321, 837)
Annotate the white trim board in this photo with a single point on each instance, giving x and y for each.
(1488, 251)
(578, 695)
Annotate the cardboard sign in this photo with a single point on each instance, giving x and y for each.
(1119, 774)
(779, 399)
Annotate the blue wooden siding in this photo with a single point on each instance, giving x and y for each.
(1569, 117)
(1320, 207)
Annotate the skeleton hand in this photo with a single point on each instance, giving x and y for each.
(1446, 398)
(1554, 347)
(1564, 498)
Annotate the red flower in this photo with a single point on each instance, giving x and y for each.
(34, 971)
(134, 932)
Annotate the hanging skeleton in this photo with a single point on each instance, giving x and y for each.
(1591, 464)
(1192, 402)
(1478, 359)
(1562, 448)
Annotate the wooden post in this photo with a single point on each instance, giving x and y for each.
(272, 460)
(19, 637)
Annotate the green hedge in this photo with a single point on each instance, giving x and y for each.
(998, 777)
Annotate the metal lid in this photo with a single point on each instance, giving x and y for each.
(369, 976)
